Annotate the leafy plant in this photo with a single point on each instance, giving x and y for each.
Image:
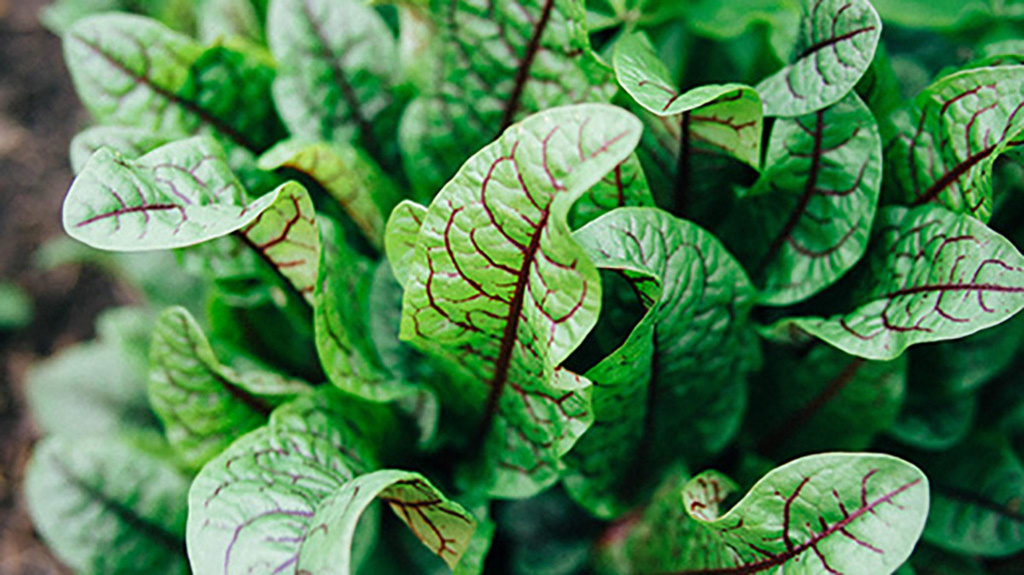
(424, 267)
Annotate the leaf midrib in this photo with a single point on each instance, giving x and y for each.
(204, 115)
(523, 73)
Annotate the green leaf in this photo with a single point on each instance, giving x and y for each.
(950, 137)
(127, 141)
(98, 387)
(851, 513)
(813, 207)
(130, 70)
(932, 275)
(498, 288)
(107, 508)
(835, 46)
(15, 307)
(337, 71)
(178, 195)
(936, 14)
(286, 237)
(496, 66)
(824, 399)
(220, 20)
(347, 174)
(724, 119)
(676, 387)
(977, 491)
(205, 405)
(297, 488)
(400, 235)
(934, 421)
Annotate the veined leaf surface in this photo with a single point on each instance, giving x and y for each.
(850, 513)
(951, 135)
(127, 141)
(497, 286)
(814, 205)
(676, 387)
(178, 195)
(932, 275)
(835, 46)
(495, 65)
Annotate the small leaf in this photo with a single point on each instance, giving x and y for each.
(933, 275)
(15, 307)
(495, 70)
(295, 486)
(676, 387)
(178, 195)
(337, 70)
(203, 404)
(498, 289)
(107, 508)
(814, 205)
(347, 174)
(403, 228)
(286, 236)
(851, 513)
(724, 119)
(835, 46)
(950, 137)
(976, 495)
(127, 141)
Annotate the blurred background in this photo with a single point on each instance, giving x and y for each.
(39, 113)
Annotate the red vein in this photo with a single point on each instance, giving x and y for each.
(950, 177)
(834, 40)
(523, 73)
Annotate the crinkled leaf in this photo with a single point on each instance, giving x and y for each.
(813, 207)
(286, 237)
(205, 405)
(950, 137)
(269, 501)
(676, 387)
(933, 275)
(337, 70)
(824, 399)
(107, 508)
(977, 490)
(495, 66)
(835, 46)
(347, 174)
(852, 513)
(178, 195)
(724, 119)
(127, 141)
(131, 70)
(498, 287)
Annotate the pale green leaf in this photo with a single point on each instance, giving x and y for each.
(127, 141)
(400, 237)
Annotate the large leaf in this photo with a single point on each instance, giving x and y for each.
(205, 405)
(813, 206)
(127, 141)
(494, 65)
(933, 275)
(851, 513)
(347, 174)
(950, 137)
(676, 387)
(107, 508)
(835, 46)
(337, 69)
(178, 195)
(286, 497)
(724, 119)
(498, 288)
(134, 71)
(824, 400)
(977, 490)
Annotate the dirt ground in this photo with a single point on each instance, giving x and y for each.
(39, 114)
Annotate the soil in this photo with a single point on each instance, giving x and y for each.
(39, 113)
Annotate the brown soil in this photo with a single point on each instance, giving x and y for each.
(39, 113)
